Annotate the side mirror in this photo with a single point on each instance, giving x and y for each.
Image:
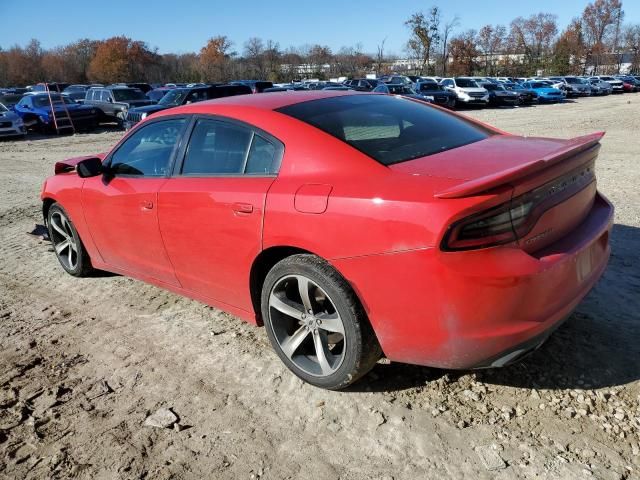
(91, 167)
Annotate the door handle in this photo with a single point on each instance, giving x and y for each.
(146, 204)
(245, 208)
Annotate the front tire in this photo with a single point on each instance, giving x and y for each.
(66, 243)
(316, 324)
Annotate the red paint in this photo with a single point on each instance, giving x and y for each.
(380, 227)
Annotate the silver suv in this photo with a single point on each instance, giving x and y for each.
(114, 102)
(467, 90)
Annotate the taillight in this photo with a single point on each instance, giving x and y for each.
(486, 229)
(512, 220)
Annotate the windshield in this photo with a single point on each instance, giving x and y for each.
(174, 97)
(572, 80)
(3, 108)
(539, 85)
(490, 86)
(466, 83)
(387, 129)
(400, 90)
(40, 101)
(429, 86)
(126, 94)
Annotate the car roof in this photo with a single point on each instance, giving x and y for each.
(270, 101)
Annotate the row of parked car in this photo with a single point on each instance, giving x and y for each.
(492, 91)
(37, 108)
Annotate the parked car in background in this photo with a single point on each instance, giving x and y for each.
(114, 102)
(545, 92)
(53, 87)
(402, 90)
(572, 86)
(599, 87)
(184, 96)
(76, 92)
(467, 91)
(579, 86)
(617, 86)
(500, 96)
(527, 96)
(630, 80)
(362, 84)
(256, 86)
(440, 95)
(11, 124)
(37, 114)
(224, 202)
(396, 79)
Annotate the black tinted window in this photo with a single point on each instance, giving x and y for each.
(147, 151)
(216, 148)
(262, 157)
(388, 129)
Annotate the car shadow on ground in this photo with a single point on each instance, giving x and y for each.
(598, 347)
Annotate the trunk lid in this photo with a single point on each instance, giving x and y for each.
(553, 178)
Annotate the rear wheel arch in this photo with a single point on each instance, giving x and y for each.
(261, 266)
(266, 260)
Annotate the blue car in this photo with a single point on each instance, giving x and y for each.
(546, 93)
(36, 112)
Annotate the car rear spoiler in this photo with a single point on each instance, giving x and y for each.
(478, 185)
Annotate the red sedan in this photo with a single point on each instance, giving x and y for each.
(351, 225)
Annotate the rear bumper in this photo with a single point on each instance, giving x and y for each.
(472, 309)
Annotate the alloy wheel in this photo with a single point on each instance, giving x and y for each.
(64, 242)
(307, 325)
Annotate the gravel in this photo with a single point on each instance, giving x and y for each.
(85, 363)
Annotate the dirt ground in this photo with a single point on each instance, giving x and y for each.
(84, 362)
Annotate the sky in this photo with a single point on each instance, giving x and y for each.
(185, 26)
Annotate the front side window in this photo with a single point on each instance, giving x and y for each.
(105, 96)
(147, 152)
(388, 129)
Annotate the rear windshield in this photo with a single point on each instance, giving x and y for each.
(388, 129)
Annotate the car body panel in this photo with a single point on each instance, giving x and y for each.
(427, 306)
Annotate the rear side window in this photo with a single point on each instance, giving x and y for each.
(388, 129)
(220, 148)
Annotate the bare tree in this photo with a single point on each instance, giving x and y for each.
(447, 30)
(380, 56)
(425, 37)
(601, 19)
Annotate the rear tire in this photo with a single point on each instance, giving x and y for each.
(66, 243)
(316, 324)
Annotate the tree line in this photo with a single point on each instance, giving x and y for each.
(597, 41)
